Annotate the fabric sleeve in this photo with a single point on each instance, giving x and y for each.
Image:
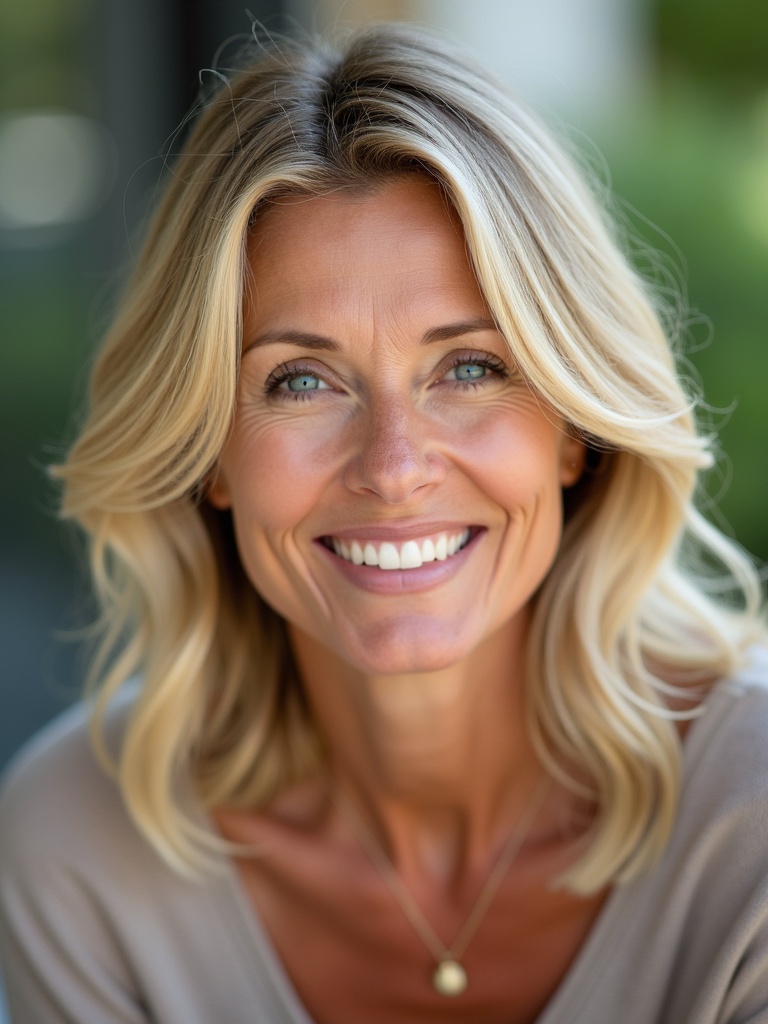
(58, 964)
(61, 963)
(746, 1001)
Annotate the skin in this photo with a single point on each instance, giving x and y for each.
(414, 676)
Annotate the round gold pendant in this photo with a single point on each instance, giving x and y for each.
(450, 978)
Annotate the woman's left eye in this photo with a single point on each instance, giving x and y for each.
(467, 371)
(471, 370)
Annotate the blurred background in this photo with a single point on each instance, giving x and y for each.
(667, 98)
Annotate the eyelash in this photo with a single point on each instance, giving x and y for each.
(285, 372)
(485, 359)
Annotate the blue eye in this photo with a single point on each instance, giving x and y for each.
(304, 382)
(470, 371)
(294, 381)
(476, 369)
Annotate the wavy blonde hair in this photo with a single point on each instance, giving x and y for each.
(628, 607)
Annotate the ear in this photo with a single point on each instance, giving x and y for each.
(217, 489)
(573, 456)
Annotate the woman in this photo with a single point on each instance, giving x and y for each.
(388, 479)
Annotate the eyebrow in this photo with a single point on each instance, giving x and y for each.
(306, 339)
(290, 337)
(450, 331)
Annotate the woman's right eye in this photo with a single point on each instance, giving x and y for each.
(303, 382)
(294, 381)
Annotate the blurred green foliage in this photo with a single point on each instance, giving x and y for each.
(45, 347)
(44, 293)
(41, 54)
(691, 164)
(693, 173)
(715, 43)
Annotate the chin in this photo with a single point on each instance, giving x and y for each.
(405, 648)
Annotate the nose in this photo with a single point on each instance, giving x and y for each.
(395, 453)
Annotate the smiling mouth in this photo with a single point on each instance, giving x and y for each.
(411, 554)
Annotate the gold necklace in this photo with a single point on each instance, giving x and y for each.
(449, 977)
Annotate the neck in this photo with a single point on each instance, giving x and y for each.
(438, 763)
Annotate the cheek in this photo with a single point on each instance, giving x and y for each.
(516, 461)
(277, 475)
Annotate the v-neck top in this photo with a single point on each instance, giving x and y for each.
(96, 929)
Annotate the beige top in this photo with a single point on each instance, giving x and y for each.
(94, 929)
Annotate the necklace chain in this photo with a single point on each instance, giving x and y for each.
(446, 956)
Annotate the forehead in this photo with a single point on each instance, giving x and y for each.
(372, 200)
(398, 242)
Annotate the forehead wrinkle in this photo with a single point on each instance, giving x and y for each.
(397, 326)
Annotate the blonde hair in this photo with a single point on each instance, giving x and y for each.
(628, 604)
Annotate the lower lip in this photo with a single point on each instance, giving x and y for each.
(402, 581)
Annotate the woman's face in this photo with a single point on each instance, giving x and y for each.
(380, 419)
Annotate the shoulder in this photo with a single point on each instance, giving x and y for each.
(730, 740)
(65, 833)
(696, 925)
(66, 847)
(722, 821)
(55, 794)
(94, 925)
(687, 940)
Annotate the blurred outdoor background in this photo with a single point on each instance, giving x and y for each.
(667, 98)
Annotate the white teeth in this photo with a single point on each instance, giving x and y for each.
(370, 555)
(389, 557)
(411, 555)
